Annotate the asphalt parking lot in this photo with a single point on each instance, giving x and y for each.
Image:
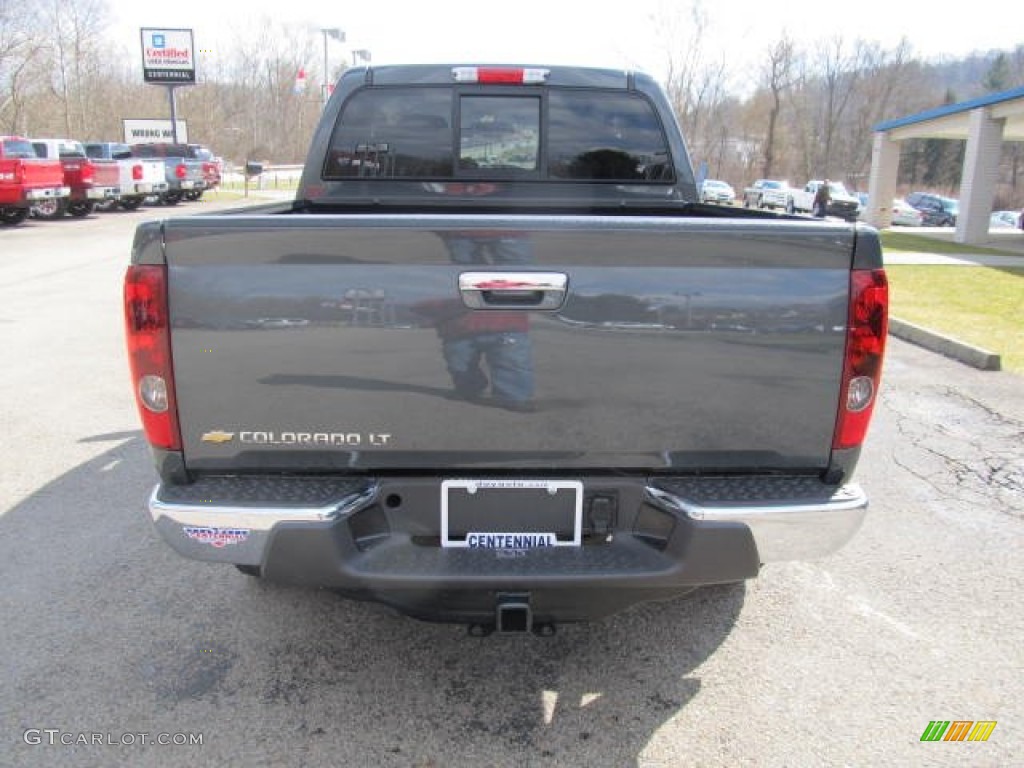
(112, 641)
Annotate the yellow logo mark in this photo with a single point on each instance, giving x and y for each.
(217, 436)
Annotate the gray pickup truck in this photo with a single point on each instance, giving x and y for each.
(183, 170)
(495, 365)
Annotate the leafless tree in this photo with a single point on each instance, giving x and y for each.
(885, 86)
(75, 42)
(777, 78)
(262, 113)
(22, 45)
(828, 80)
(696, 79)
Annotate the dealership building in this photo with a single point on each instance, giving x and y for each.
(984, 123)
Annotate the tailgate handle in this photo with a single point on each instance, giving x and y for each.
(513, 290)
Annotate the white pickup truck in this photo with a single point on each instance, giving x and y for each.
(768, 193)
(841, 203)
(138, 178)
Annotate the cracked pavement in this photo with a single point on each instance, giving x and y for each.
(961, 446)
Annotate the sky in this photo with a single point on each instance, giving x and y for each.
(633, 35)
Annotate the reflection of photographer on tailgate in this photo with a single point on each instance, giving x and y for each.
(497, 339)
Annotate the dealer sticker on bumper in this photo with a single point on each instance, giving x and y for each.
(217, 537)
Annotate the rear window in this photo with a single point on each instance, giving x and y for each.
(16, 148)
(116, 151)
(70, 150)
(394, 133)
(162, 150)
(499, 133)
(606, 135)
(441, 133)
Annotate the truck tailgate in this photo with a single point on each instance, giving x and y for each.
(326, 342)
(41, 173)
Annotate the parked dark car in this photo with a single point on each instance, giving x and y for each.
(938, 211)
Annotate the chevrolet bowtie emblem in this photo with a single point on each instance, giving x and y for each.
(218, 437)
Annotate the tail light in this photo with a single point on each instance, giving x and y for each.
(147, 328)
(500, 75)
(88, 172)
(137, 172)
(180, 171)
(866, 331)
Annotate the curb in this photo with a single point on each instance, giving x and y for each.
(976, 357)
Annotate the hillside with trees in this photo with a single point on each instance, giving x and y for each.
(804, 112)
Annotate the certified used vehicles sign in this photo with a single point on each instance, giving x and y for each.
(168, 56)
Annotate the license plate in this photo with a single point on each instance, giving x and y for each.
(511, 514)
(42, 194)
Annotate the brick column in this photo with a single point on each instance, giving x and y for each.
(978, 185)
(885, 164)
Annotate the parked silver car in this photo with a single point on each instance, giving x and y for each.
(768, 193)
(906, 215)
(1005, 220)
(715, 191)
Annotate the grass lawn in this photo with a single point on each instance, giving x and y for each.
(909, 242)
(978, 305)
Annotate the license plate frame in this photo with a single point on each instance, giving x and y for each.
(500, 492)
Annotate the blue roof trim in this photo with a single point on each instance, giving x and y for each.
(952, 109)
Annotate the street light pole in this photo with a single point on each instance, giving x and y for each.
(336, 34)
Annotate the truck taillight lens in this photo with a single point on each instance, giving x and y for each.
(88, 172)
(147, 328)
(865, 347)
(180, 171)
(500, 75)
(136, 172)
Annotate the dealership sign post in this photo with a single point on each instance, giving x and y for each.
(168, 58)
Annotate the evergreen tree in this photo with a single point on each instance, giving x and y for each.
(998, 76)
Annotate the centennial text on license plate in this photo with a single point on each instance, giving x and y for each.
(511, 513)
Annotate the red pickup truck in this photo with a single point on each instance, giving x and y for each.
(90, 181)
(211, 170)
(25, 179)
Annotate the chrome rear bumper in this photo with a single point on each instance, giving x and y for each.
(806, 526)
(789, 518)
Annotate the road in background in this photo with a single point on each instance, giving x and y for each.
(840, 662)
